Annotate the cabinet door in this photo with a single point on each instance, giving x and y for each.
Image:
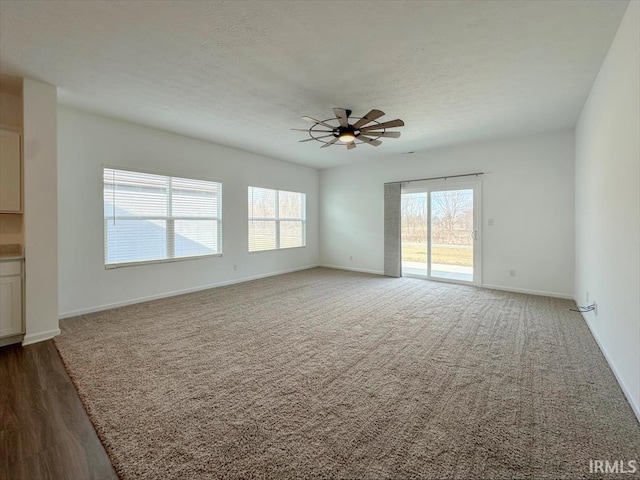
(10, 172)
(10, 306)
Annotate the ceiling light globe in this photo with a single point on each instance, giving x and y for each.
(347, 137)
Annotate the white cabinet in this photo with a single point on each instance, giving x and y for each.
(10, 298)
(10, 172)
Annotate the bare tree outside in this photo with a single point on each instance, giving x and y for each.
(414, 218)
(452, 217)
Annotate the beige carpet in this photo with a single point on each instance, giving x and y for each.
(324, 373)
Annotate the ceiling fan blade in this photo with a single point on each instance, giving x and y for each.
(370, 141)
(343, 116)
(330, 143)
(315, 131)
(389, 124)
(313, 120)
(382, 134)
(369, 117)
(351, 145)
(315, 138)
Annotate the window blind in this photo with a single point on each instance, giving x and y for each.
(150, 217)
(277, 219)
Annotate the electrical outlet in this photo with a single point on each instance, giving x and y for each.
(490, 222)
(235, 268)
(351, 258)
(512, 273)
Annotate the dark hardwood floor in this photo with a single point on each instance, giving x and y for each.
(45, 432)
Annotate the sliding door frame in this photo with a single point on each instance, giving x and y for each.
(429, 186)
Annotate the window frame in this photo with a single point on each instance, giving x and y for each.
(277, 220)
(170, 225)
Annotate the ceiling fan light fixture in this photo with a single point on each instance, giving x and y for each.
(347, 137)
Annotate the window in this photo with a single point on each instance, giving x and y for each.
(277, 219)
(150, 217)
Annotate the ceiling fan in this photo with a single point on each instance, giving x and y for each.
(365, 130)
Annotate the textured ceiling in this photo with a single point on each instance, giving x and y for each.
(242, 73)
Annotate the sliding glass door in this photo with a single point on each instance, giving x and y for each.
(440, 231)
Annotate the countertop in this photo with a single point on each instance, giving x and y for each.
(11, 251)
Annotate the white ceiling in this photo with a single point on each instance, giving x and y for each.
(242, 73)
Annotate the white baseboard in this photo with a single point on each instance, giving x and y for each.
(566, 296)
(492, 287)
(361, 270)
(40, 336)
(634, 406)
(108, 306)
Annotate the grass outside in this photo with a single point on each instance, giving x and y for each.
(440, 254)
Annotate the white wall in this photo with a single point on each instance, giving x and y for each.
(40, 210)
(608, 205)
(87, 141)
(527, 190)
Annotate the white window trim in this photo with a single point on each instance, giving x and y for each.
(277, 220)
